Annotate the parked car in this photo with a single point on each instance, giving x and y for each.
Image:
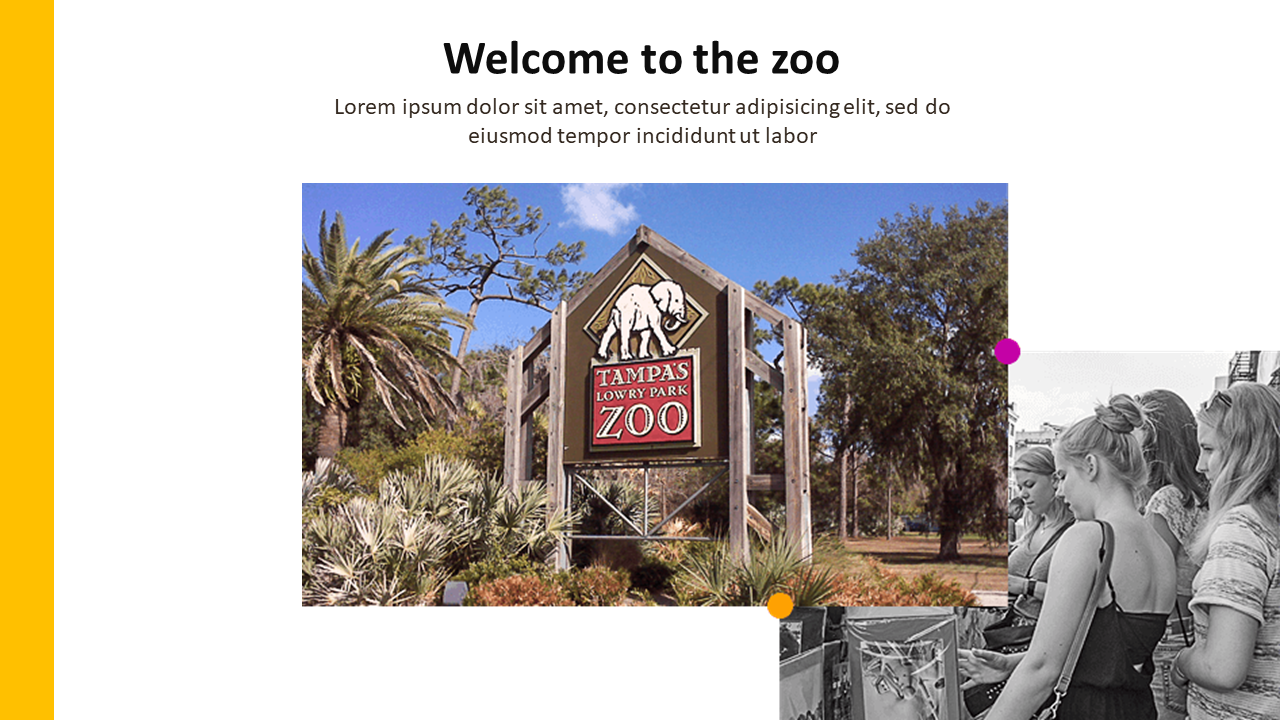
(919, 523)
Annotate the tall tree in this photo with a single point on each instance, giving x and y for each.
(501, 262)
(908, 337)
(370, 324)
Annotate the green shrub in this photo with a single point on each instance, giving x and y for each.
(482, 571)
(325, 492)
(481, 446)
(654, 575)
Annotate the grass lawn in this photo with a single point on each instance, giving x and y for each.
(980, 567)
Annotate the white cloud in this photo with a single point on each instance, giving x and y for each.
(594, 206)
(812, 371)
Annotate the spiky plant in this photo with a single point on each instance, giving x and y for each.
(713, 577)
(371, 552)
(596, 517)
(333, 481)
(772, 564)
(495, 524)
(813, 586)
(368, 321)
(399, 546)
(708, 576)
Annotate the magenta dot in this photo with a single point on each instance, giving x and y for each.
(1007, 351)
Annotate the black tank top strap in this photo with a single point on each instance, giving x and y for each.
(1115, 600)
(1102, 550)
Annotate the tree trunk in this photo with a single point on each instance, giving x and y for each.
(888, 512)
(456, 385)
(333, 429)
(950, 548)
(855, 497)
(844, 494)
(950, 520)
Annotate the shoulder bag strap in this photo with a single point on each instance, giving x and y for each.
(1053, 539)
(1099, 581)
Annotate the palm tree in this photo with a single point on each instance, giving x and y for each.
(369, 322)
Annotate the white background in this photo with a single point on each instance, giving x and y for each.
(1139, 146)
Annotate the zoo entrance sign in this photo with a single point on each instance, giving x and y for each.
(644, 388)
(650, 363)
(640, 343)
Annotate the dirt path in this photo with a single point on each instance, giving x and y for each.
(980, 567)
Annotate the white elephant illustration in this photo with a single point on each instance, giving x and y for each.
(651, 310)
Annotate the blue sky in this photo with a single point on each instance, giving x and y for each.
(747, 232)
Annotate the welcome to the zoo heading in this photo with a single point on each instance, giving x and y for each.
(668, 62)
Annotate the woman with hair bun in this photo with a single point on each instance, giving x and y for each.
(1175, 510)
(1234, 666)
(1100, 469)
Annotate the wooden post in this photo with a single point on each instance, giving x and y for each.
(513, 450)
(806, 511)
(739, 426)
(795, 438)
(555, 426)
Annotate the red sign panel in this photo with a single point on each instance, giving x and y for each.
(645, 402)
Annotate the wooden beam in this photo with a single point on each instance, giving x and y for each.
(534, 396)
(689, 262)
(537, 343)
(764, 371)
(511, 451)
(771, 481)
(555, 426)
(757, 520)
(739, 426)
(763, 309)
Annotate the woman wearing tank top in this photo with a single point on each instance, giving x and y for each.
(1100, 469)
(1029, 558)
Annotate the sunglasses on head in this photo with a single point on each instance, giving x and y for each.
(1215, 397)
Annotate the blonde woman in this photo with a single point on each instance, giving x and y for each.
(1048, 519)
(1234, 666)
(1100, 469)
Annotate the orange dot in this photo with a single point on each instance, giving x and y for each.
(781, 605)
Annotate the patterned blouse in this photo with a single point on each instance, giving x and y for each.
(1183, 522)
(1242, 572)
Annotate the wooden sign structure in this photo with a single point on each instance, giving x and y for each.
(648, 365)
